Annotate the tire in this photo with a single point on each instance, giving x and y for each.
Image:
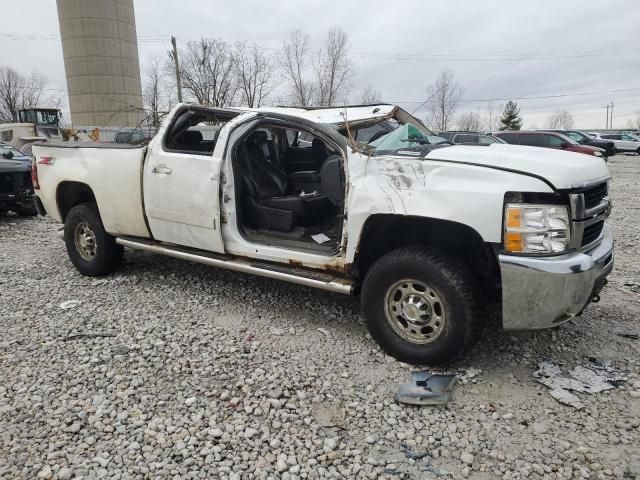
(638, 151)
(92, 251)
(27, 210)
(453, 317)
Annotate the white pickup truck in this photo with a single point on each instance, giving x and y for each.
(357, 200)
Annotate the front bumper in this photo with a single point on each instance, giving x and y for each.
(541, 292)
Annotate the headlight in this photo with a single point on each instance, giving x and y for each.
(536, 228)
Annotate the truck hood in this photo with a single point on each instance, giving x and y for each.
(562, 169)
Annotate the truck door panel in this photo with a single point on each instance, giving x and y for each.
(182, 183)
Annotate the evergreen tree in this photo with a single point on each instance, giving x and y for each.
(511, 119)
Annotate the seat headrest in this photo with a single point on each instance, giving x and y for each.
(190, 137)
(318, 146)
(331, 179)
(257, 138)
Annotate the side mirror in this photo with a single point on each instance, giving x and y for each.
(8, 154)
(564, 145)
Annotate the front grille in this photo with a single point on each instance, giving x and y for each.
(592, 233)
(594, 195)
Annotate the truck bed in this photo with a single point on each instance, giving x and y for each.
(112, 172)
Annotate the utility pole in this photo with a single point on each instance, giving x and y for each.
(490, 115)
(174, 54)
(607, 120)
(611, 123)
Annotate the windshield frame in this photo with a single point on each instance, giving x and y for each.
(400, 116)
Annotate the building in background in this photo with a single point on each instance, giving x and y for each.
(101, 62)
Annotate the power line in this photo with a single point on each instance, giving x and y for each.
(536, 97)
(406, 57)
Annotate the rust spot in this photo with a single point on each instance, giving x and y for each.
(335, 266)
(330, 267)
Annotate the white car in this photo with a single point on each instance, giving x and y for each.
(428, 235)
(624, 142)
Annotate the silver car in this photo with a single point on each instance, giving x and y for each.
(624, 142)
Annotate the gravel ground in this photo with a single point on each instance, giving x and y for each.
(203, 373)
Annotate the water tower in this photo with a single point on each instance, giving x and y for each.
(101, 62)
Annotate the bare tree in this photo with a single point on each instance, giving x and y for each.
(443, 98)
(370, 96)
(18, 91)
(255, 74)
(560, 119)
(293, 60)
(208, 72)
(153, 92)
(11, 86)
(469, 121)
(333, 68)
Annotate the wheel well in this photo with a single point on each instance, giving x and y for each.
(70, 194)
(383, 233)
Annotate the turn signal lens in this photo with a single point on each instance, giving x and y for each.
(513, 218)
(514, 242)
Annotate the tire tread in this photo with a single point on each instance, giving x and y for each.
(110, 253)
(458, 275)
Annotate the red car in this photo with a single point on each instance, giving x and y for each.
(548, 140)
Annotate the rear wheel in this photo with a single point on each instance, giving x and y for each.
(421, 305)
(638, 151)
(91, 249)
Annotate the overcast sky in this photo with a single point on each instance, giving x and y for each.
(497, 49)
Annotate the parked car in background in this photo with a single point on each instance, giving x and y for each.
(624, 142)
(16, 191)
(131, 135)
(8, 152)
(548, 140)
(584, 138)
(470, 138)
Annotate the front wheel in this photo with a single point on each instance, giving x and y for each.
(91, 249)
(421, 305)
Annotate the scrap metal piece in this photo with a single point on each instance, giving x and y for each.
(566, 397)
(426, 388)
(70, 304)
(596, 379)
(597, 383)
(632, 336)
(581, 379)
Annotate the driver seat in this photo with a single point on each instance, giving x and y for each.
(265, 191)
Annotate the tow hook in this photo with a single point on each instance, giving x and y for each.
(595, 299)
